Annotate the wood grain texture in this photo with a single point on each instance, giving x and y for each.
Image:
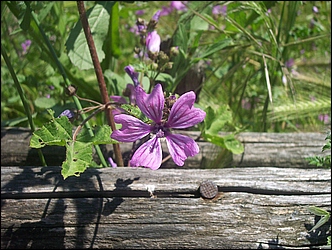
(258, 207)
(261, 149)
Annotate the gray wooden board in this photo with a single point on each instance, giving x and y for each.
(258, 207)
(260, 149)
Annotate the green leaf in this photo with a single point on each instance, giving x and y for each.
(77, 47)
(114, 31)
(325, 216)
(135, 111)
(233, 144)
(215, 120)
(318, 211)
(78, 158)
(228, 142)
(56, 132)
(216, 47)
(45, 103)
(102, 135)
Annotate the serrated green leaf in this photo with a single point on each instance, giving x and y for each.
(78, 158)
(56, 132)
(77, 47)
(102, 135)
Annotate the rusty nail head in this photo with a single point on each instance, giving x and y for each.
(208, 189)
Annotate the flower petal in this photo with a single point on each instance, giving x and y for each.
(183, 113)
(180, 147)
(148, 155)
(151, 104)
(153, 41)
(132, 128)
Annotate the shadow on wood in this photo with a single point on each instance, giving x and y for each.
(140, 208)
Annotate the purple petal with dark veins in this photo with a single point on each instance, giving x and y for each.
(180, 147)
(183, 113)
(132, 128)
(148, 155)
(151, 104)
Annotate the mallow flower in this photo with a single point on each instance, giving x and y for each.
(165, 115)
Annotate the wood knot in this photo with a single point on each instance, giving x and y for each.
(208, 189)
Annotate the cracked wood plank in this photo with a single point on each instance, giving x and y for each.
(258, 208)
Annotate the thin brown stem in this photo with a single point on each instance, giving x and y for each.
(100, 77)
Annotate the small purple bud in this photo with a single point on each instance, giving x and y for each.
(112, 163)
(315, 9)
(139, 12)
(156, 16)
(153, 41)
(133, 75)
(25, 46)
(69, 113)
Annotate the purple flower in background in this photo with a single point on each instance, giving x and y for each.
(182, 115)
(25, 46)
(153, 41)
(156, 16)
(315, 9)
(165, 11)
(324, 118)
(178, 5)
(219, 10)
(174, 6)
(139, 12)
(289, 63)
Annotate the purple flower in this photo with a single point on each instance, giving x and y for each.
(219, 10)
(165, 11)
(139, 12)
(324, 118)
(153, 41)
(182, 115)
(289, 63)
(315, 9)
(178, 5)
(25, 46)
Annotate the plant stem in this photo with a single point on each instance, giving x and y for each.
(100, 77)
(65, 78)
(23, 99)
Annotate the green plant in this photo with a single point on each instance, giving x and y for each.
(322, 161)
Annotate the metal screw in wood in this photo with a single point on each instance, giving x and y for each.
(208, 189)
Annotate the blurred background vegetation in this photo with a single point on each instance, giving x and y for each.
(266, 63)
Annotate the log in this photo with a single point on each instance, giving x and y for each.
(127, 208)
(260, 149)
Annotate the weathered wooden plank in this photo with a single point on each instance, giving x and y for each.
(45, 179)
(238, 220)
(261, 149)
(112, 208)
